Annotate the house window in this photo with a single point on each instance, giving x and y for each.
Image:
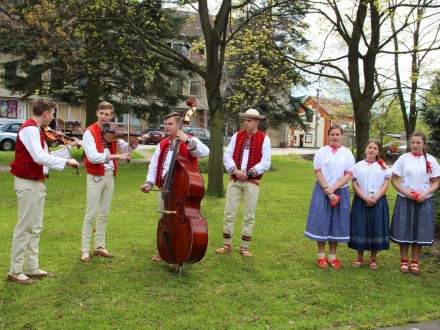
(180, 48)
(177, 86)
(9, 109)
(308, 138)
(195, 88)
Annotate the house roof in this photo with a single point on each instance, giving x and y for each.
(331, 106)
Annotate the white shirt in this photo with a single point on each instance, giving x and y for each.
(30, 137)
(200, 150)
(412, 171)
(259, 168)
(95, 157)
(370, 176)
(333, 165)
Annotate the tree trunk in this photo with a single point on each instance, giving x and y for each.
(92, 101)
(362, 113)
(217, 126)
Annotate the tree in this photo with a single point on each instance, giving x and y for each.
(355, 64)
(424, 35)
(217, 34)
(87, 60)
(387, 120)
(258, 77)
(431, 115)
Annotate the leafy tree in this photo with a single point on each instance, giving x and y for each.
(74, 52)
(431, 115)
(387, 120)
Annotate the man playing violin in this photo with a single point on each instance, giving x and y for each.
(102, 166)
(30, 169)
(190, 148)
(246, 158)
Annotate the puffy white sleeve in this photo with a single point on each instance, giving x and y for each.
(197, 148)
(228, 161)
(317, 160)
(350, 163)
(435, 168)
(30, 137)
(152, 167)
(89, 147)
(397, 168)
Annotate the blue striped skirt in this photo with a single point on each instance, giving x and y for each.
(412, 222)
(327, 223)
(369, 225)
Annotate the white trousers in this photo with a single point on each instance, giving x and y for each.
(99, 198)
(30, 206)
(236, 191)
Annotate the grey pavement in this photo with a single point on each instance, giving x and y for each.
(433, 325)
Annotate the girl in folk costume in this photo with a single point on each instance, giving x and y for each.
(415, 177)
(190, 148)
(369, 218)
(329, 213)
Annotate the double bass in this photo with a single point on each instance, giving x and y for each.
(182, 232)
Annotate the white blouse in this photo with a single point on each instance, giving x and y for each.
(333, 163)
(370, 176)
(412, 171)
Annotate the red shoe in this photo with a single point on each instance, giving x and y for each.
(336, 264)
(404, 266)
(322, 263)
(414, 268)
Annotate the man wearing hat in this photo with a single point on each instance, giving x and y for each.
(246, 158)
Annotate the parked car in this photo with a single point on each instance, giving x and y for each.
(201, 133)
(154, 136)
(8, 135)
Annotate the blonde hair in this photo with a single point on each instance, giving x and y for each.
(104, 105)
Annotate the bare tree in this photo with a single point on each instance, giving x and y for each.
(424, 33)
(364, 35)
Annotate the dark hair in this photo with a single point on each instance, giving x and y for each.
(423, 137)
(39, 106)
(378, 156)
(335, 126)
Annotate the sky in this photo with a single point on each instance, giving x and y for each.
(319, 28)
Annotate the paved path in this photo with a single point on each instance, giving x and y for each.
(433, 325)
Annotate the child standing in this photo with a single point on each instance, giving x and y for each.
(369, 218)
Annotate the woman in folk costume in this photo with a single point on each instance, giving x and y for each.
(369, 219)
(415, 177)
(329, 213)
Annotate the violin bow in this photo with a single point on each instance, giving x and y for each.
(57, 129)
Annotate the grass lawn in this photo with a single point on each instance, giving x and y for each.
(279, 288)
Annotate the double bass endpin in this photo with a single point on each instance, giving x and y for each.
(167, 212)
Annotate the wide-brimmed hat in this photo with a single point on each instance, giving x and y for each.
(251, 113)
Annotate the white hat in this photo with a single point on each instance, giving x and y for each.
(251, 113)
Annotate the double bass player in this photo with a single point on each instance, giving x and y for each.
(190, 148)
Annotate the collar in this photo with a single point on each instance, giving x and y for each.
(370, 163)
(416, 154)
(334, 148)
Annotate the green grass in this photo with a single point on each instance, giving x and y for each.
(279, 288)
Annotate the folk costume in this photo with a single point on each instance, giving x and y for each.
(30, 169)
(326, 222)
(192, 149)
(413, 222)
(252, 155)
(369, 224)
(101, 173)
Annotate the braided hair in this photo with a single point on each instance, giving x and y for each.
(423, 137)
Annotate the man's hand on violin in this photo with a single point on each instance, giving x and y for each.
(144, 137)
(72, 163)
(76, 142)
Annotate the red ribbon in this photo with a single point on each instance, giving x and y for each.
(428, 167)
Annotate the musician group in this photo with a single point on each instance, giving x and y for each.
(364, 225)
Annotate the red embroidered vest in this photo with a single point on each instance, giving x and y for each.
(98, 169)
(255, 150)
(23, 165)
(164, 148)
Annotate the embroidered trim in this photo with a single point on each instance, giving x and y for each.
(226, 235)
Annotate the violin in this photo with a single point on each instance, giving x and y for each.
(112, 132)
(56, 138)
(182, 232)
